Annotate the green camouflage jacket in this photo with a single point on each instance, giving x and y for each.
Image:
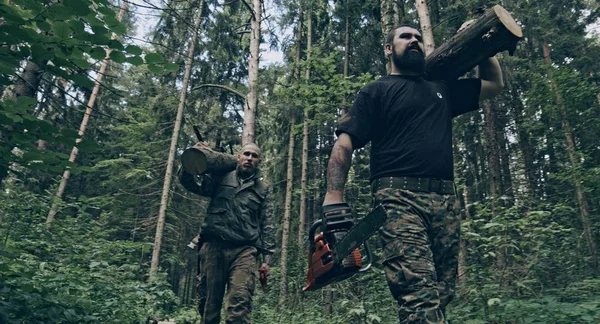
(238, 211)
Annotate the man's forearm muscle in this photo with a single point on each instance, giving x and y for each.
(337, 169)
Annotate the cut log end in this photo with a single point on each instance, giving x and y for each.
(507, 20)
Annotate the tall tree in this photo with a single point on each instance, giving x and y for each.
(305, 134)
(252, 97)
(84, 123)
(584, 209)
(426, 29)
(164, 200)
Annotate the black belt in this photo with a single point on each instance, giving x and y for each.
(445, 187)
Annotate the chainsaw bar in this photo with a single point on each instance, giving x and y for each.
(358, 234)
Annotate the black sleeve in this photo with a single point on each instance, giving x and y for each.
(464, 96)
(359, 120)
(207, 185)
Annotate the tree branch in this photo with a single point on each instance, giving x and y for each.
(221, 87)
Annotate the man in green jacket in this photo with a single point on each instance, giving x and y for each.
(236, 230)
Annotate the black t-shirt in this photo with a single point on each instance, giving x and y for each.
(409, 123)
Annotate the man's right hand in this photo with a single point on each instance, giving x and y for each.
(337, 220)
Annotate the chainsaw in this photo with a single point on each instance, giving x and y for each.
(333, 258)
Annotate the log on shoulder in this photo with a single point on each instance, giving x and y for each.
(495, 31)
(198, 161)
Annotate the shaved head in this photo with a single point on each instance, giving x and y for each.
(249, 145)
(248, 158)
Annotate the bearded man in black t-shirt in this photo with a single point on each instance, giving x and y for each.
(408, 121)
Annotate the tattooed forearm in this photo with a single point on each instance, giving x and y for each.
(338, 167)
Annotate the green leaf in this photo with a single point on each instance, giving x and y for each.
(82, 80)
(42, 25)
(117, 56)
(154, 58)
(79, 7)
(133, 50)
(99, 30)
(40, 53)
(119, 29)
(173, 67)
(59, 12)
(135, 60)
(107, 11)
(157, 69)
(98, 53)
(61, 30)
(84, 64)
(77, 26)
(115, 44)
(493, 301)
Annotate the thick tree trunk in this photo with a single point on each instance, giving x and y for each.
(287, 216)
(495, 31)
(584, 208)
(305, 138)
(29, 81)
(491, 146)
(426, 30)
(164, 200)
(252, 97)
(82, 128)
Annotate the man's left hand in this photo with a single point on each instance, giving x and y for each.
(263, 275)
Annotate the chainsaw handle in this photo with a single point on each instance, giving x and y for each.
(311, 238)
(369, 253)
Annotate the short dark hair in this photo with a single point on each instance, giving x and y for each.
(390, 36)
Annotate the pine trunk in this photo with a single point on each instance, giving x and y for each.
(27, 84)
(495, 31)
(305, 138)
(82, 128)
(491, 149)
(392, 13)
(286, 216)
(164, 200)
(426, 30)
(584, 208)
(248, 135)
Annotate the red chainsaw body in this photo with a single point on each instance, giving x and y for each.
(322, 270)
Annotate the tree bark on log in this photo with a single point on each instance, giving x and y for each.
(495, 31)
(198, 161)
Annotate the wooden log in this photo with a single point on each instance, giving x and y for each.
(495, 31)
(200, 161)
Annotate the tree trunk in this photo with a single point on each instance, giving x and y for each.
(305, 134)
(164, 200)
(491, 146)
(426, 30)
(83, 126)
(286, 216)
(248, 135)
(392, 13)
(584, 208)
(463, 252)
(495, 31)
(346, 54)
(29, 81)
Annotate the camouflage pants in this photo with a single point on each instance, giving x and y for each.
(420, 242)
(230, 272)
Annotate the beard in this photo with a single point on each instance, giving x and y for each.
(410, 61)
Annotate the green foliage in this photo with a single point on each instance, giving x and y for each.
(71, 272)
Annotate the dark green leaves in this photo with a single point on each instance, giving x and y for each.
(79, 7)
(153, 58)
